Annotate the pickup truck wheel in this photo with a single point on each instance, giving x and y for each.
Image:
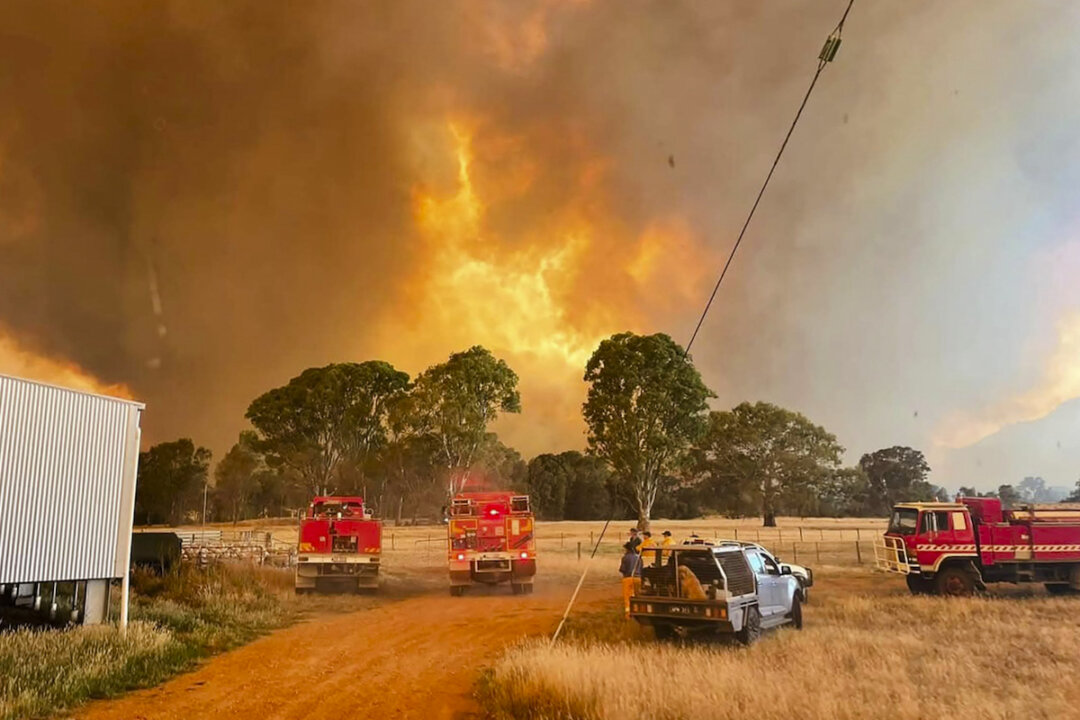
(664, 632)
(796, 612)
(751, 629)
(954, 582)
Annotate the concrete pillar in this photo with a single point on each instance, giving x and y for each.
(96, 602)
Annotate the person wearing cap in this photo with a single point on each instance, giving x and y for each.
(635, 539)
(630, 569)
(667, 542)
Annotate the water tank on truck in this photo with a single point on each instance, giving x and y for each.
(339, 548)
(491, 541)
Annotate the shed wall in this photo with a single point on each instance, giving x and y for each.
(67, 482)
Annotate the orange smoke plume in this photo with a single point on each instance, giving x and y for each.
(1060, 383)
(19, 361)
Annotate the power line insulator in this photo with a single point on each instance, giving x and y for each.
(832, 45)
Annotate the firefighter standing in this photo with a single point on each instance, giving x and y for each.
(667, 542)
(646, 543)
(630, 569)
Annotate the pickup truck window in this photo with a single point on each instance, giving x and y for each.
(770, 565)
(755, 562)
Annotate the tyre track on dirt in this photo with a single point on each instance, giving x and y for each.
(412, 658)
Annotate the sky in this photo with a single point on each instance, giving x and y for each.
(200, 200)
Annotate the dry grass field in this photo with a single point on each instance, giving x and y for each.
(869, 649)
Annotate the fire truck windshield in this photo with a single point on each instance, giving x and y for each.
(903, 521)
(331, 509)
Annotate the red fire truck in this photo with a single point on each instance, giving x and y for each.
(491, 541)
(956, 548)
(340, 544)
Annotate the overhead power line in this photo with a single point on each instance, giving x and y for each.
(828, 53)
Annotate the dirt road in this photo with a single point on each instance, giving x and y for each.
(410, 658)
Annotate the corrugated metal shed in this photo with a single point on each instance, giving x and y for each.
(68, 462)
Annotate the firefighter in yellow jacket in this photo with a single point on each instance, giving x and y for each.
(667, 542)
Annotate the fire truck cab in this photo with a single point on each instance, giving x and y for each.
(956, 548)
(491, 541)
(340, 546)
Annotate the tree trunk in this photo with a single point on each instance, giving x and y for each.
(643, 519)
(400, 505)
(769, 519)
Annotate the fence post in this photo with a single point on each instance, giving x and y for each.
(821, 531)
(392, 546)
(579, 550)
(858, 552)
(591, 543)
(858, 534)
(817, 551)
(779, 536)
(795, 552)
(736, 533)
(800, 533)
(427, 545)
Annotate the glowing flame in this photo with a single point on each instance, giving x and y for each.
(1060, 383)
(511, 300)
(541, 295)
(19, 361)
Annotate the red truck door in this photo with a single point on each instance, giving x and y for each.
(943, 533)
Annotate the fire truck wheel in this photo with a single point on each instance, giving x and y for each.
(457, 590)
(919, 585)
(1061, 589)
(796, 612)
(751, 629)
(954, 582)
(516, 588)
(527, 588)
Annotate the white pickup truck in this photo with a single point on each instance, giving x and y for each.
(724, 589)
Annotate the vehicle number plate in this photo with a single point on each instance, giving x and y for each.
(337, 558)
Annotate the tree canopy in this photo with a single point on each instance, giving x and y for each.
(171, 479)
(569, 486)
(766, 454)
(455, 401)
(897, 474)
(325, 422)
(646, 404)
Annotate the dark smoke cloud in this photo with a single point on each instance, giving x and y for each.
(265, 158)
